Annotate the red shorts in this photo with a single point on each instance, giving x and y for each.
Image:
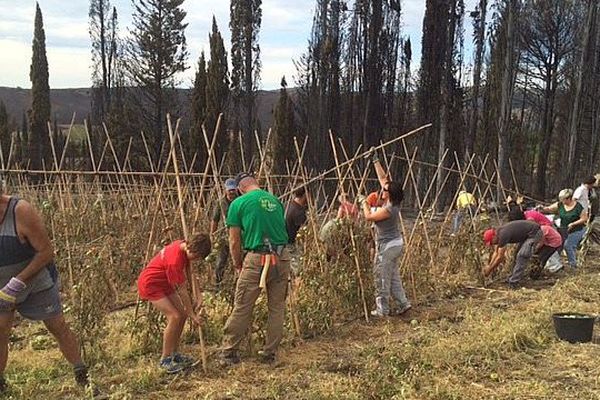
(153, 291)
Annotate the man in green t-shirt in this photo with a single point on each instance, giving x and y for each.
(256, 225)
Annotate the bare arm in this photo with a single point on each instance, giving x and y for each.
(497, 258)
(235, 246)
(30, 228)
(551, 209)
(583, 218)
(379, 215)
(186, 303)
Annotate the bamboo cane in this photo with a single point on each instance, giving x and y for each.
(185, 230)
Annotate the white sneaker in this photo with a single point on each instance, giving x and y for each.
(377, 314)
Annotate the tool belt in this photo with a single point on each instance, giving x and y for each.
(278, 250)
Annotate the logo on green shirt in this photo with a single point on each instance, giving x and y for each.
(267, 204)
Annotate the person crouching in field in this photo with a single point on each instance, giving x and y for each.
(526, 234)
(163, 283)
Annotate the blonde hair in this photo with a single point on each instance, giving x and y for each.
(565, 194)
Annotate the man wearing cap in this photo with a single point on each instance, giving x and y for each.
(231, 193)
(525, 233)
(257, 226)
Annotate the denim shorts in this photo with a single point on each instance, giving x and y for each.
(40, 306)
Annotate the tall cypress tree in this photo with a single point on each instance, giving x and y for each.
(217, 84)
(284, 128)
(157, 53)
(245, 20)
(39, 114)
(198, 107)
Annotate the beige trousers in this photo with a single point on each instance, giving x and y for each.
(246, 294)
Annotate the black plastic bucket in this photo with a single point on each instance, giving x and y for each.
(574, 327)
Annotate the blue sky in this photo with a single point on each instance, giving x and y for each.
(285, 29)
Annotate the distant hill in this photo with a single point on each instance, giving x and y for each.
(65, 102)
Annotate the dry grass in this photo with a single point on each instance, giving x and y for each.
(477, 344)
(463, 344)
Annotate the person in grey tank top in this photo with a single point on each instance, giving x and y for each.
(29, 282)
(389, 244)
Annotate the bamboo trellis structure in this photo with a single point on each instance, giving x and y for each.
(173, 184)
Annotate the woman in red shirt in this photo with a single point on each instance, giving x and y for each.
(163, 283)
(346, 209)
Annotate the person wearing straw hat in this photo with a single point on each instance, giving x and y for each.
(573, 218)
(256, 225)
(220, 212)
(389, 244)
(29, 283)
(527, 234)
(163, 282)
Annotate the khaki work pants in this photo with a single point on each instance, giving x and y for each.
(246, 294)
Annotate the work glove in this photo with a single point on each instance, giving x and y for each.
(361, 199)
(8, 294)
(374, 155)
(372, 199)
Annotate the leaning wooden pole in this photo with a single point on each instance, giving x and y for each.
(361, 155)
(185, 228)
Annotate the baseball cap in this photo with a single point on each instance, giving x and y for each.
(241, 176)
(488, 236)
(230, 184)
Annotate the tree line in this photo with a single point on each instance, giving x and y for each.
(527, 95)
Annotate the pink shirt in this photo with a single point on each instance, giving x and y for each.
(551, 236)
(538, 217)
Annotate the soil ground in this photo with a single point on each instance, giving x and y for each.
(477, 343)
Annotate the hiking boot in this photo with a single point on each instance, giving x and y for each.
(170, 366)
(187, 361)
(266, 357)
(3, 385)
(402, 311)
(81, 375)
(229, 360)
(83, 380)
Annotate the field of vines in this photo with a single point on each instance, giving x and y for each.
(105, 226)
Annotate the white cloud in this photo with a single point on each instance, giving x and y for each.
(285, 29)
(14, 63)
(68, 67)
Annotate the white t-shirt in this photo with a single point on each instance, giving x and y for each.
(582, 196)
